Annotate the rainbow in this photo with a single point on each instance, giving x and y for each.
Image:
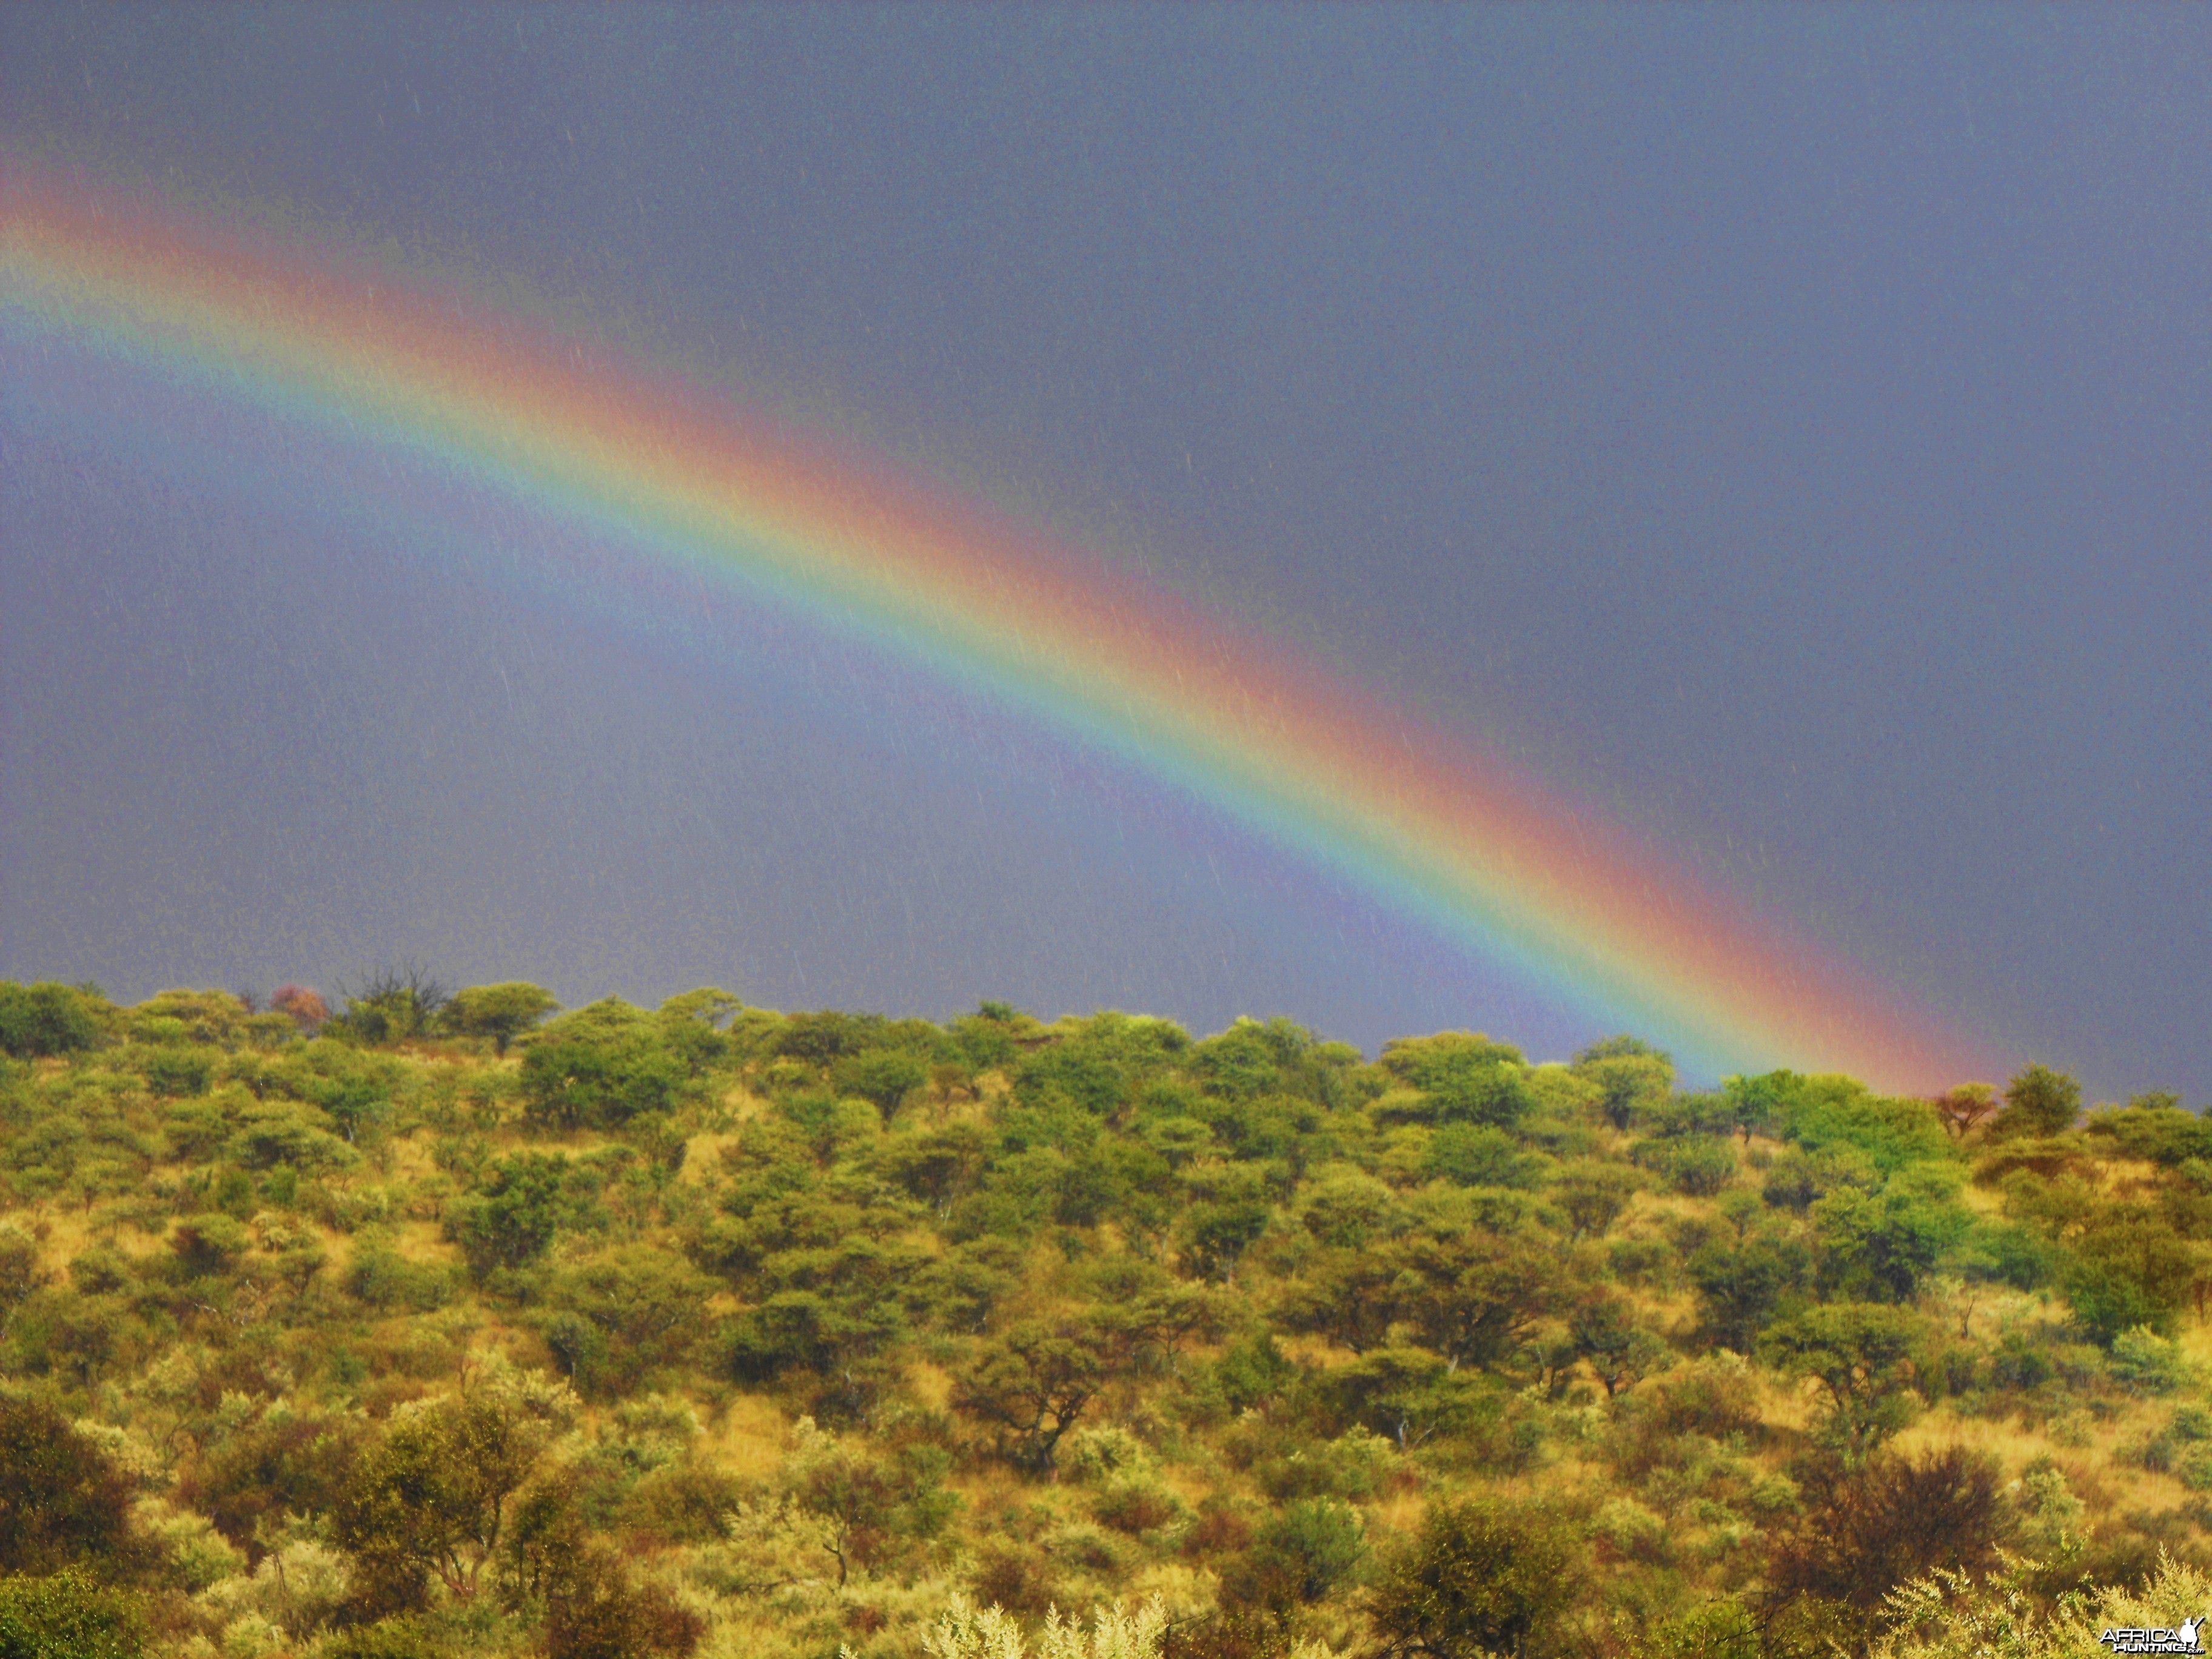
(1431, 827)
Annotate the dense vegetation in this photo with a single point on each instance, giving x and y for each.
(448, 1325)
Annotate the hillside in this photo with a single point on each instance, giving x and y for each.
(444, 1326)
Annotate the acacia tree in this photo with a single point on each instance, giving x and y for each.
(2038, 1102)
(392, 1005)
(1963, 1109)
(1618, 1350)
(431, 1498)
(1861, 1355)
(501, 1012)
(1479, 1579)
(62, 1501)
(1032, 1384)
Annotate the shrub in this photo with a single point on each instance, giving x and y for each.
(1480, 1578)
(501, 1012)
(1698, 1166)
(1482, 1155)
(2146, 1360)
(68, 1616)
(1304, 1552)
(173, 1073)
(2038, 1102)
(387, 1639)
(384, 1279)
(45, 1018)
(63, 1502)
(1868, 1531)
(572, 1082)
(210, 1244)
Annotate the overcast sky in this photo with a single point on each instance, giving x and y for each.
(1787, 430)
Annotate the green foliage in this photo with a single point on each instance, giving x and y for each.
(1478, 1155)
(1629, 1077)
(2154, 1127)
(1825, 1113)
(2038, 1102)
(616, 1318)
(1305, 1551)
(2146, 1360)
(1032, 1386)
(210, 1244)
(1696, 1165)
(430, 1499)
(45, 1018)
(2127, 1266)
(68, 1615)
(501, 1012)
(63, 1502)
(1480, 1578)
(1055, 1309)
(517, 1206)
(1863, 1356)
(600, 1067)
(1461, 1077)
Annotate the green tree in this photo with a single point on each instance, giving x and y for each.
(1475, 1295)
(210, 1244)
(68, 1616)
(1879, 1246)
(636, 1310)
(1032, 1385)
(2038, 1102)
(430, 1497)
(1304, 1552)
(47, 1019)
(518, 1206)
(501, 1012)
(1352, 1296)
(1695, 1165)
(1462, 1077)
(63, 1502)
(1629, 1075)
(1862, 1357)
(1593, 1194)
(882, 1077)
(573, 1079)
(1607, 1338)
(1480, 1578)
(2126, 1266)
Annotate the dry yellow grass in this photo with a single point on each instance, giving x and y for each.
(932, 1384)
(749, 1436)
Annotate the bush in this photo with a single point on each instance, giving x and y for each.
(45, 1018)
(1304, 1552)
(379, 1276)
(1481, 1155)
(1869, 1531)
(1480, 1578)
(68, 1616)
(63, 1502)
(1698, 1166)
(210, 1244)
(2146, 1360)
(387, 1639)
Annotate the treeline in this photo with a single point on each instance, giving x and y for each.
(433, 1323)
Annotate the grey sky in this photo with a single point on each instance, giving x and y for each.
(1787, 428)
